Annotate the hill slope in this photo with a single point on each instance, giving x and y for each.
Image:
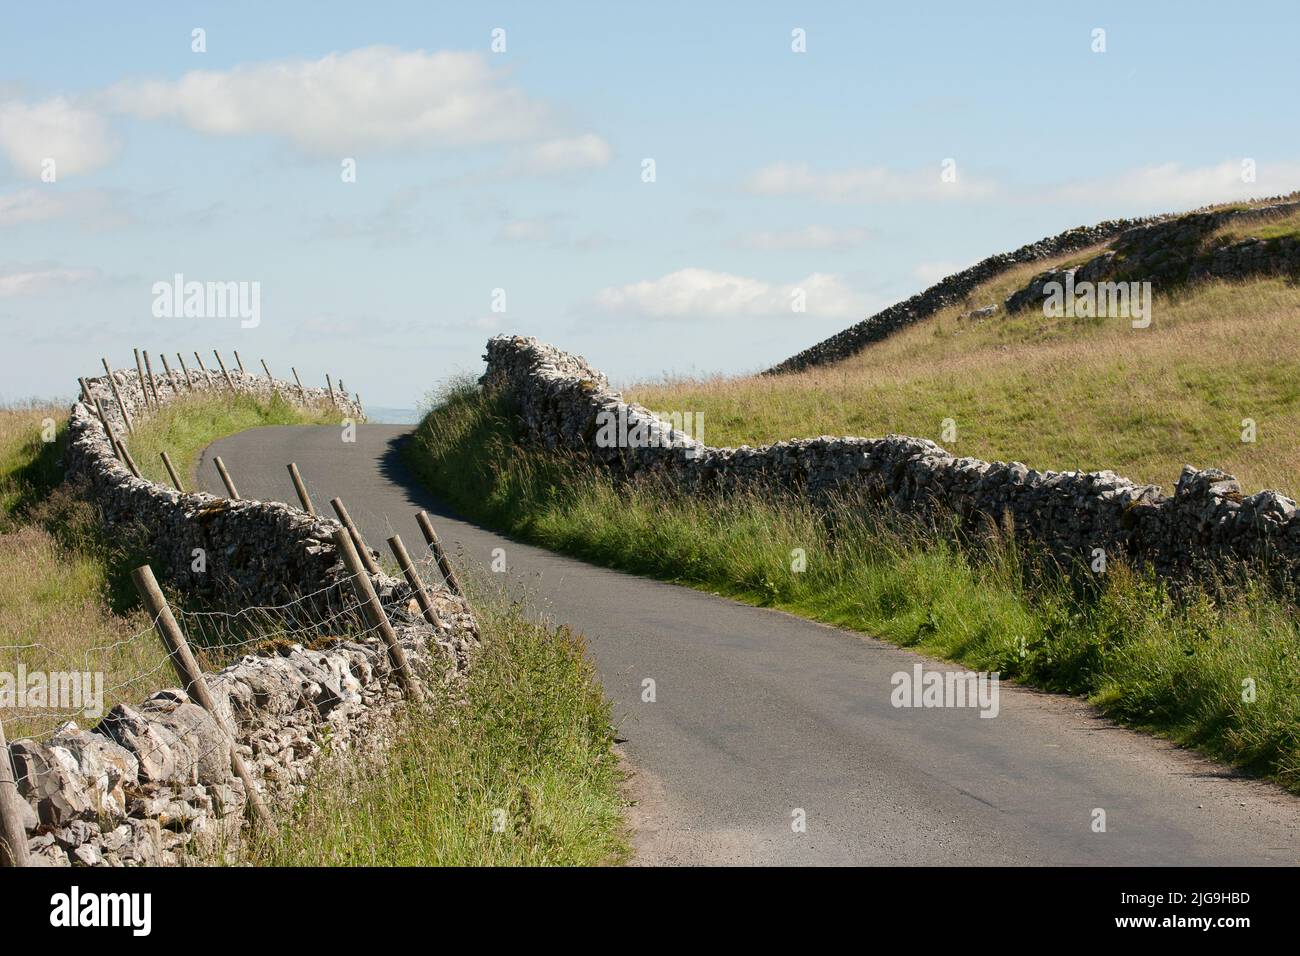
(1218, 363)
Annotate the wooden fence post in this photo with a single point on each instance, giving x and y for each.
(375, 614)
(108, 429)
(121, 405)
(229, 380)
(330, 386)
(413, 579)
(139, 367)
(431, 536)
(270, 378)
(125, 455)
(225, 477)
(13, 835)
(240, 362)
(153, 386)
(176, 479)
(346, 520)
(187, 669)
(171, 376)
(302, 392)
(189, 382)
(301, 488)
(203, 368)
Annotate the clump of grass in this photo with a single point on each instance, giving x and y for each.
(1174, 666)
(517, 768)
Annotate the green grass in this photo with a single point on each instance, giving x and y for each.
(1060, 394)
(517, 770)
(1171, 666)
(187, 425)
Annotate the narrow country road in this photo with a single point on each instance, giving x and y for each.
(761, 719)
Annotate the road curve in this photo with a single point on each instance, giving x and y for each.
(761, 719)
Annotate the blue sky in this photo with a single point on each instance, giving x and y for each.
(777, 175)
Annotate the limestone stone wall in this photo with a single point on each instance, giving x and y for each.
(1206, 520)
(152, 783)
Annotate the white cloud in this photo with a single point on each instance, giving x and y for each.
(524, 230)
(91, 207)
(34, 279)
(588, 151)
(1169, 186)
(865, 184)
(809, 237)
(76, 138)
(932, 272)
(376, 96)
(705, 294)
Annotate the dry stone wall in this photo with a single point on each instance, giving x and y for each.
(152, 783)
(1206, 521)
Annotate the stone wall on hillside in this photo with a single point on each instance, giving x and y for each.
(152, 783)
(558, 398)
(1155, 234)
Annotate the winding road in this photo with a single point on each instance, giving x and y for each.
(761, 720)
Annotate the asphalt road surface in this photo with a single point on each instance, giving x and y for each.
(773, 740)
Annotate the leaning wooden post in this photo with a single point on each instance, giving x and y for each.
(301, 488)
(103, 417)
(187, 669)
(229, 380)
(171, 376)
(139, 367)
(413, 579)
(431, 536)
(125, 455)
(225, 477)
(176, 480)
(207, 376)
(330, 386)
(13, 835)
(153, 386)
(189, 382)
(346, 520)
(121, 405)
(270, 378)
(240, 362)
(95, 404)
(302, 392)
(374, 611)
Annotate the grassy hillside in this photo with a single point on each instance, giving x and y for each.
(1063, 394)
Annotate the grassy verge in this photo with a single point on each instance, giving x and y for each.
(517, 768)
(1175, 667)
(187, 425)
(66, 602)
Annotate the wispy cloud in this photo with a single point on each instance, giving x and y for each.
(867, 184)
(37, 278)
(705, 294)
(1173, 185)
(808, 237)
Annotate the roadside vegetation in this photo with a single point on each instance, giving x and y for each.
(515, 768)
(1062, 394)
(66, 600)
(1173, 665)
